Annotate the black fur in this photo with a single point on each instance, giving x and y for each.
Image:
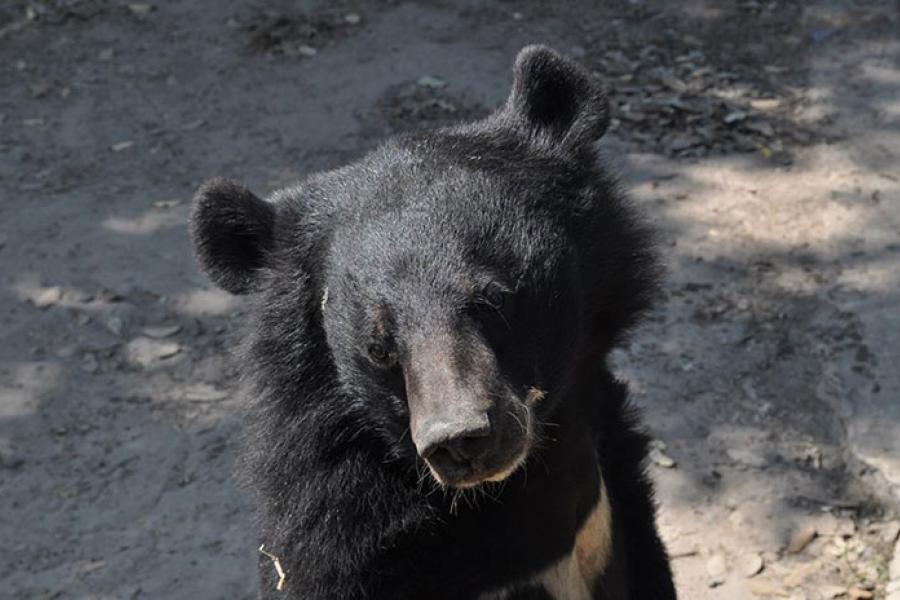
(517, 198)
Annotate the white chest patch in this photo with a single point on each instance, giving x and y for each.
(572, 577)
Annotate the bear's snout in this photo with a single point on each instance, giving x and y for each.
(466, 424)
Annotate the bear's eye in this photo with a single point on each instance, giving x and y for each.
(379, 352)
(493, 295)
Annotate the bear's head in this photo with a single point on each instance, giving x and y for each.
(449, 289)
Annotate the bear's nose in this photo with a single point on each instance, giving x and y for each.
(453, 445)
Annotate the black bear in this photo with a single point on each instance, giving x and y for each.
(431, 413)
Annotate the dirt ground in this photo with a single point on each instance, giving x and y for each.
(762, 137)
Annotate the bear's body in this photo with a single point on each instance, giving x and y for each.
(473, 275)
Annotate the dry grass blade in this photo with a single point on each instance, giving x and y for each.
(280, 585)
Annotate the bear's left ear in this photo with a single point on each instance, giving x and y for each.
(553, 99)
(232, 231)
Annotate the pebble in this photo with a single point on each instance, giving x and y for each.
(658, 456)
(161, 331)
(746, 456)
(735, 117)
(891, 531)
(144, 352)
(166, 204)
(892, 590)
(750, 564)
(352, 18)
(434, 83)
(832, 591)
(859, 594)
(766, 588)
(89, 364)
(121, 146)
(10, 459)
(307, 51)
(894, 569)
(116, 325)
(800, 539)
(801, 573)
(141, 9)
(48, 297)
(765, 103)
(716, 568)
(204, 392)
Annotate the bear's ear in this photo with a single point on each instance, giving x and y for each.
(555, 99)
(232, 231)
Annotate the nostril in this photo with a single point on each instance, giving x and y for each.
(472, 446)
(460, 446)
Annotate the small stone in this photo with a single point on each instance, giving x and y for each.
(307, 51)
(434, 83)
(734, 117)
(144, 352)
(750, 564)
(115, 324)
(89, 364)
(661, 459)
(894, 568)
(765, 104)
(746, 456)
(658, 456)
(832, 591)
(859, 594)
(36, 122)
(10, 460)
(120, 146)
(166, 204)
(517, 16)
(106, 54)
(48, 297)
(203, 392)
(890, 533)
(801, 573)
(352, 18)
(39, 89)
(141, 9)
(800, 539)
(161, 331)
(766, 588)
(192, 125)
(716, 568)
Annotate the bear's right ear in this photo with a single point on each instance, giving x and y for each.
(232, 231)
(556, 101)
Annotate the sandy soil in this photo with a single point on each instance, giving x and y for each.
(761, 137)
